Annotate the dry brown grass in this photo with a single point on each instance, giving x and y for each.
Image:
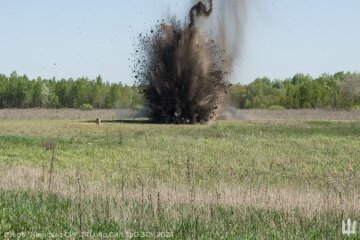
(229, 113)
(308, 201)
(62, 114)
(293, 114)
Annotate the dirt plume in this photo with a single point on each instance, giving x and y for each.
(183, 69)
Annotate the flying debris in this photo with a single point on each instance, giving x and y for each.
(181, 71)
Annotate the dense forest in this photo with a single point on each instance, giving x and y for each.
(338, 91)
(21, 92)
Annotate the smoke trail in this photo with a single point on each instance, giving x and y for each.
(199, 10)
(227, 27)
(183, 70)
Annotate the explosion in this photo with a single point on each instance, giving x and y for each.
(182, 73)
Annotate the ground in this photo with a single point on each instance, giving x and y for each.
(280, 178)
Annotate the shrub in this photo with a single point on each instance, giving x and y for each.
(86, 107)
(356, 107)
(276, 107)
(137, 107)
(261, 106)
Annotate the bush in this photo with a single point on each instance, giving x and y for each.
(137, 107)
(86, 107)
(276, 107)
(261, 106)
(356, 107)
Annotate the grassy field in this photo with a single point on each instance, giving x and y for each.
(278, 179)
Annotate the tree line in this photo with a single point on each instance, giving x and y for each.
(21, 92)
(338, 91)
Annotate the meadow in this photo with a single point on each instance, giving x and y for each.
(281, 178)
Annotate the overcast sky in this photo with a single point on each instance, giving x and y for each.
(64, 38)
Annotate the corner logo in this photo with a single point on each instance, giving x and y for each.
(349, 227)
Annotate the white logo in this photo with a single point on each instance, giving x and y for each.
(349, 227)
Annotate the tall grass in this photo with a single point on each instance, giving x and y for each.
(230, 180)
(43, 212)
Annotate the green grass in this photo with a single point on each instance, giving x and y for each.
(47, 213)
(316, 155)
(283, 152)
